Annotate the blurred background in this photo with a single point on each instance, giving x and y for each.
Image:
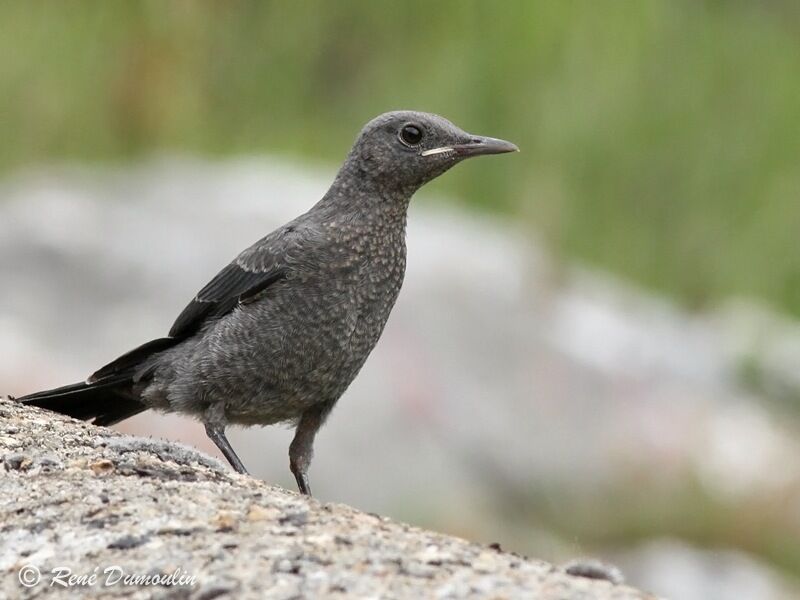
(597, 348)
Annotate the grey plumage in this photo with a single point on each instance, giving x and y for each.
(280, 333)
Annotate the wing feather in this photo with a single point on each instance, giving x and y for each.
(253, 271)
(231, 287)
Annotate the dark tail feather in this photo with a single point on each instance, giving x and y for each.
(107, 397)
(104, 403)
(130, 360)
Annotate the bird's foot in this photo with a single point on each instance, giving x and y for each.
(302, 483)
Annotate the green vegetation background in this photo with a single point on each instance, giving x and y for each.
(660, 138)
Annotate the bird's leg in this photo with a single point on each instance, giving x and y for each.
(215, 429)
(217, 435)
(301, 450)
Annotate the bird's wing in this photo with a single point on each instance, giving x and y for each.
(252, 272)
(234, 285)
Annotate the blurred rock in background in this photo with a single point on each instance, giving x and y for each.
(513, 398)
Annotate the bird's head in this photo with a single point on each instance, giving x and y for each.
(403, 150)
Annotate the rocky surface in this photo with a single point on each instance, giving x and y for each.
(78, 500)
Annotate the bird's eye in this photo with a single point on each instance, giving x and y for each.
(411, 135)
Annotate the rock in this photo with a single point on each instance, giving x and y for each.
(594, 569)
(129, 516)
(102, 466)
(16, 461)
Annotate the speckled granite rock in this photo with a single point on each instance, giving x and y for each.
(138, 518)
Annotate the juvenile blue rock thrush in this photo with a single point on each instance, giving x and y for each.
(279, 334)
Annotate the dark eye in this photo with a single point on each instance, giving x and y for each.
(411, 135)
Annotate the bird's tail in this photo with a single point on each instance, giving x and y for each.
(107, 397)
(104, 403)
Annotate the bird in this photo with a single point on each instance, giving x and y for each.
(278, 335)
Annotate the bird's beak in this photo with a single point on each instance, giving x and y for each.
(476, 146)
